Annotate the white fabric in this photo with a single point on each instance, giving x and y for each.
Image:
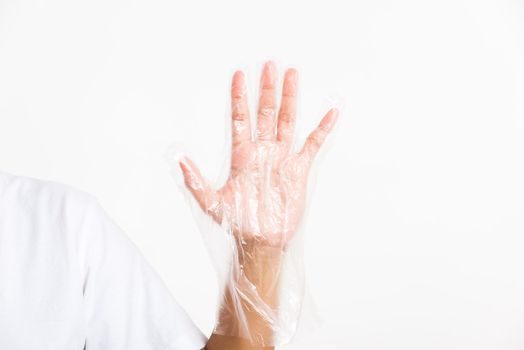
(70, 277)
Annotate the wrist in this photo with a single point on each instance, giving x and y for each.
(249, 307)
(257, 252)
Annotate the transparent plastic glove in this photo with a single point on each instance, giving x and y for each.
(259, 209)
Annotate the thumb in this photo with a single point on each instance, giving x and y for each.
(207, 198)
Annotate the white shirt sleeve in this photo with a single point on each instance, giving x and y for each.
(127, 304)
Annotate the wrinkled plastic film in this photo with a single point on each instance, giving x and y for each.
(252, 223)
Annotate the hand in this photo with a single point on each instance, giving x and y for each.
(263, 200)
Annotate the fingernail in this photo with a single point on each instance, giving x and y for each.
(292, 76)
(335, 114)
(239, 75)
(270, 72)
(182, 161)
(239, 86)
(333, 119)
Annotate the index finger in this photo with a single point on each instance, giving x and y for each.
(240, 123)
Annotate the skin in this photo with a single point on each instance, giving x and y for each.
(262, 201)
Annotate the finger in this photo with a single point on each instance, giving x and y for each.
(240, 127)
(206, 197)
(286, 114)
(317, 137)
(266, 119)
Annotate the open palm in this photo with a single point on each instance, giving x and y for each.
(263, 198)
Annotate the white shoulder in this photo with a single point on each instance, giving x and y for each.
(33, 191)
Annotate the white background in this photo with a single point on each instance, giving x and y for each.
(415, 233)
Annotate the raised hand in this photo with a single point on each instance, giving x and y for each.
(263, 199)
